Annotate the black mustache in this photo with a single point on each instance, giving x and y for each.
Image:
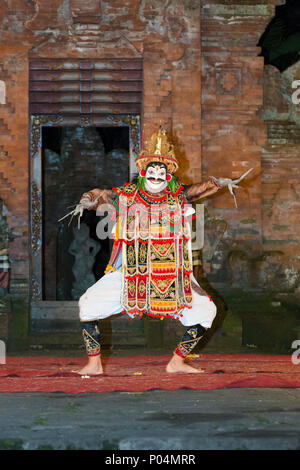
(156, 179)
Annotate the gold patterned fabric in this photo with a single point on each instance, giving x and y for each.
(91, 337)
(190, 339)
(158, 149)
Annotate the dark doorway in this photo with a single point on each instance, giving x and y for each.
(75, 160)
(280, 43)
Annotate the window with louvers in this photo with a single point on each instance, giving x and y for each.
(85, 87)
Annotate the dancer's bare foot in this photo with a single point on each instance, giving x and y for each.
(93, 367)
(177, 365)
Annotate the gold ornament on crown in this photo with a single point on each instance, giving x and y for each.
(157, 149)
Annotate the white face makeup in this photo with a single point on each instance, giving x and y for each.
(156, 178)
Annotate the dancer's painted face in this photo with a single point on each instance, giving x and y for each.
(156, 178)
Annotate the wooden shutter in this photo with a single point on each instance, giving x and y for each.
(82, 86)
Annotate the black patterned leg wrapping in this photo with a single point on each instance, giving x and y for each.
(190, 339)
(91, 337)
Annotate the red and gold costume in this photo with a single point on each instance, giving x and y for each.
(154, 238)
(150, 268)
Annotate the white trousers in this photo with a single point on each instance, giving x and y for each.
(103, 299)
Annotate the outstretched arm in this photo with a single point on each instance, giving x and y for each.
(200, 190)
(92, 199)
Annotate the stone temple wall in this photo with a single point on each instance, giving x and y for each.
(203, 79)
(248, 120)
(166, 35)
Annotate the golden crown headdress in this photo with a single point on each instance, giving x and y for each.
(158, 149)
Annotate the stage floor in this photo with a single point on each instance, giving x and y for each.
(145, 373)
(265, 419)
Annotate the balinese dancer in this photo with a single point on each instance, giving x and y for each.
(150, 268)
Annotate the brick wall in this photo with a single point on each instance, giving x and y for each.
(233, 135)
(14, 131)
(281, 179)
(165, 34)
(221, 131)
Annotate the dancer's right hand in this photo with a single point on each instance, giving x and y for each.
(84, 203)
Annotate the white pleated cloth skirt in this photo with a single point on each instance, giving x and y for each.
(103, 299)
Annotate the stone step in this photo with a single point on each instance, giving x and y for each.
(57, 323)
(73, 341)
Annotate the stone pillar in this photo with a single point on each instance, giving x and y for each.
(232, 132)
(14, 176)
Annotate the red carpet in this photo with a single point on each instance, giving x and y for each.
(53, 374)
